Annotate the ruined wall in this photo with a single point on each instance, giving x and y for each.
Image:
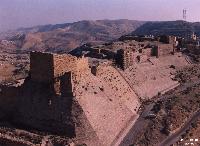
(119, 58)
(8, 101)
(41, 66)
(36, 104)
(82, 67)
(46, 67)
(69, 63)
(142, 58)
(63, 85)
(159, 49)
(147, 52)
(167, 39)
(66, 85)
(125, 58)
(63, 63)
(165, 49)
(57, 86)
(82, 64)
(41, 109)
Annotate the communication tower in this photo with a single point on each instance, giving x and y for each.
(184, 14)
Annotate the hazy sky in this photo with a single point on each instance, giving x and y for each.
(24, 13)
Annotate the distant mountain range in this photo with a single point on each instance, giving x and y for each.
(177, 28)
(70, 35)
(65, 37)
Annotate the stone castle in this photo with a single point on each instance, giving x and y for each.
(62, 96)
(164, 45)
(95, 106)
(44, 93)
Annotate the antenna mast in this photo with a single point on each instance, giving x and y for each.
(184, 14)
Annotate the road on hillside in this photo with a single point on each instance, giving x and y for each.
(176, 136)
(130, 137)
(136, 128)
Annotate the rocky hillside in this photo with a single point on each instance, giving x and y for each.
(67, 36)
(178, 28)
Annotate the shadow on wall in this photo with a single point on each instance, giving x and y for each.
(35, 106)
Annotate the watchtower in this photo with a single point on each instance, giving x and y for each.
(57, 70)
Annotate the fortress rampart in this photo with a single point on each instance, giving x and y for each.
(45, 67)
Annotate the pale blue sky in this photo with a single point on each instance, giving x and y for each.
(25, 13)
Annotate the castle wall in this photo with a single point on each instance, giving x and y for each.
(8, 100)
(82, 67)
(41, 109)
(47, 98)
(47, 67)
(167, 39)
(82, 64)
(125, 58)
(63, 63)
(66, 85)
(165, 49)
(147, 52)
(142, 58)
(41, 67)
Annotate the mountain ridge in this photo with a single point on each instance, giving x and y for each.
(68, 36)
(177, 28)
